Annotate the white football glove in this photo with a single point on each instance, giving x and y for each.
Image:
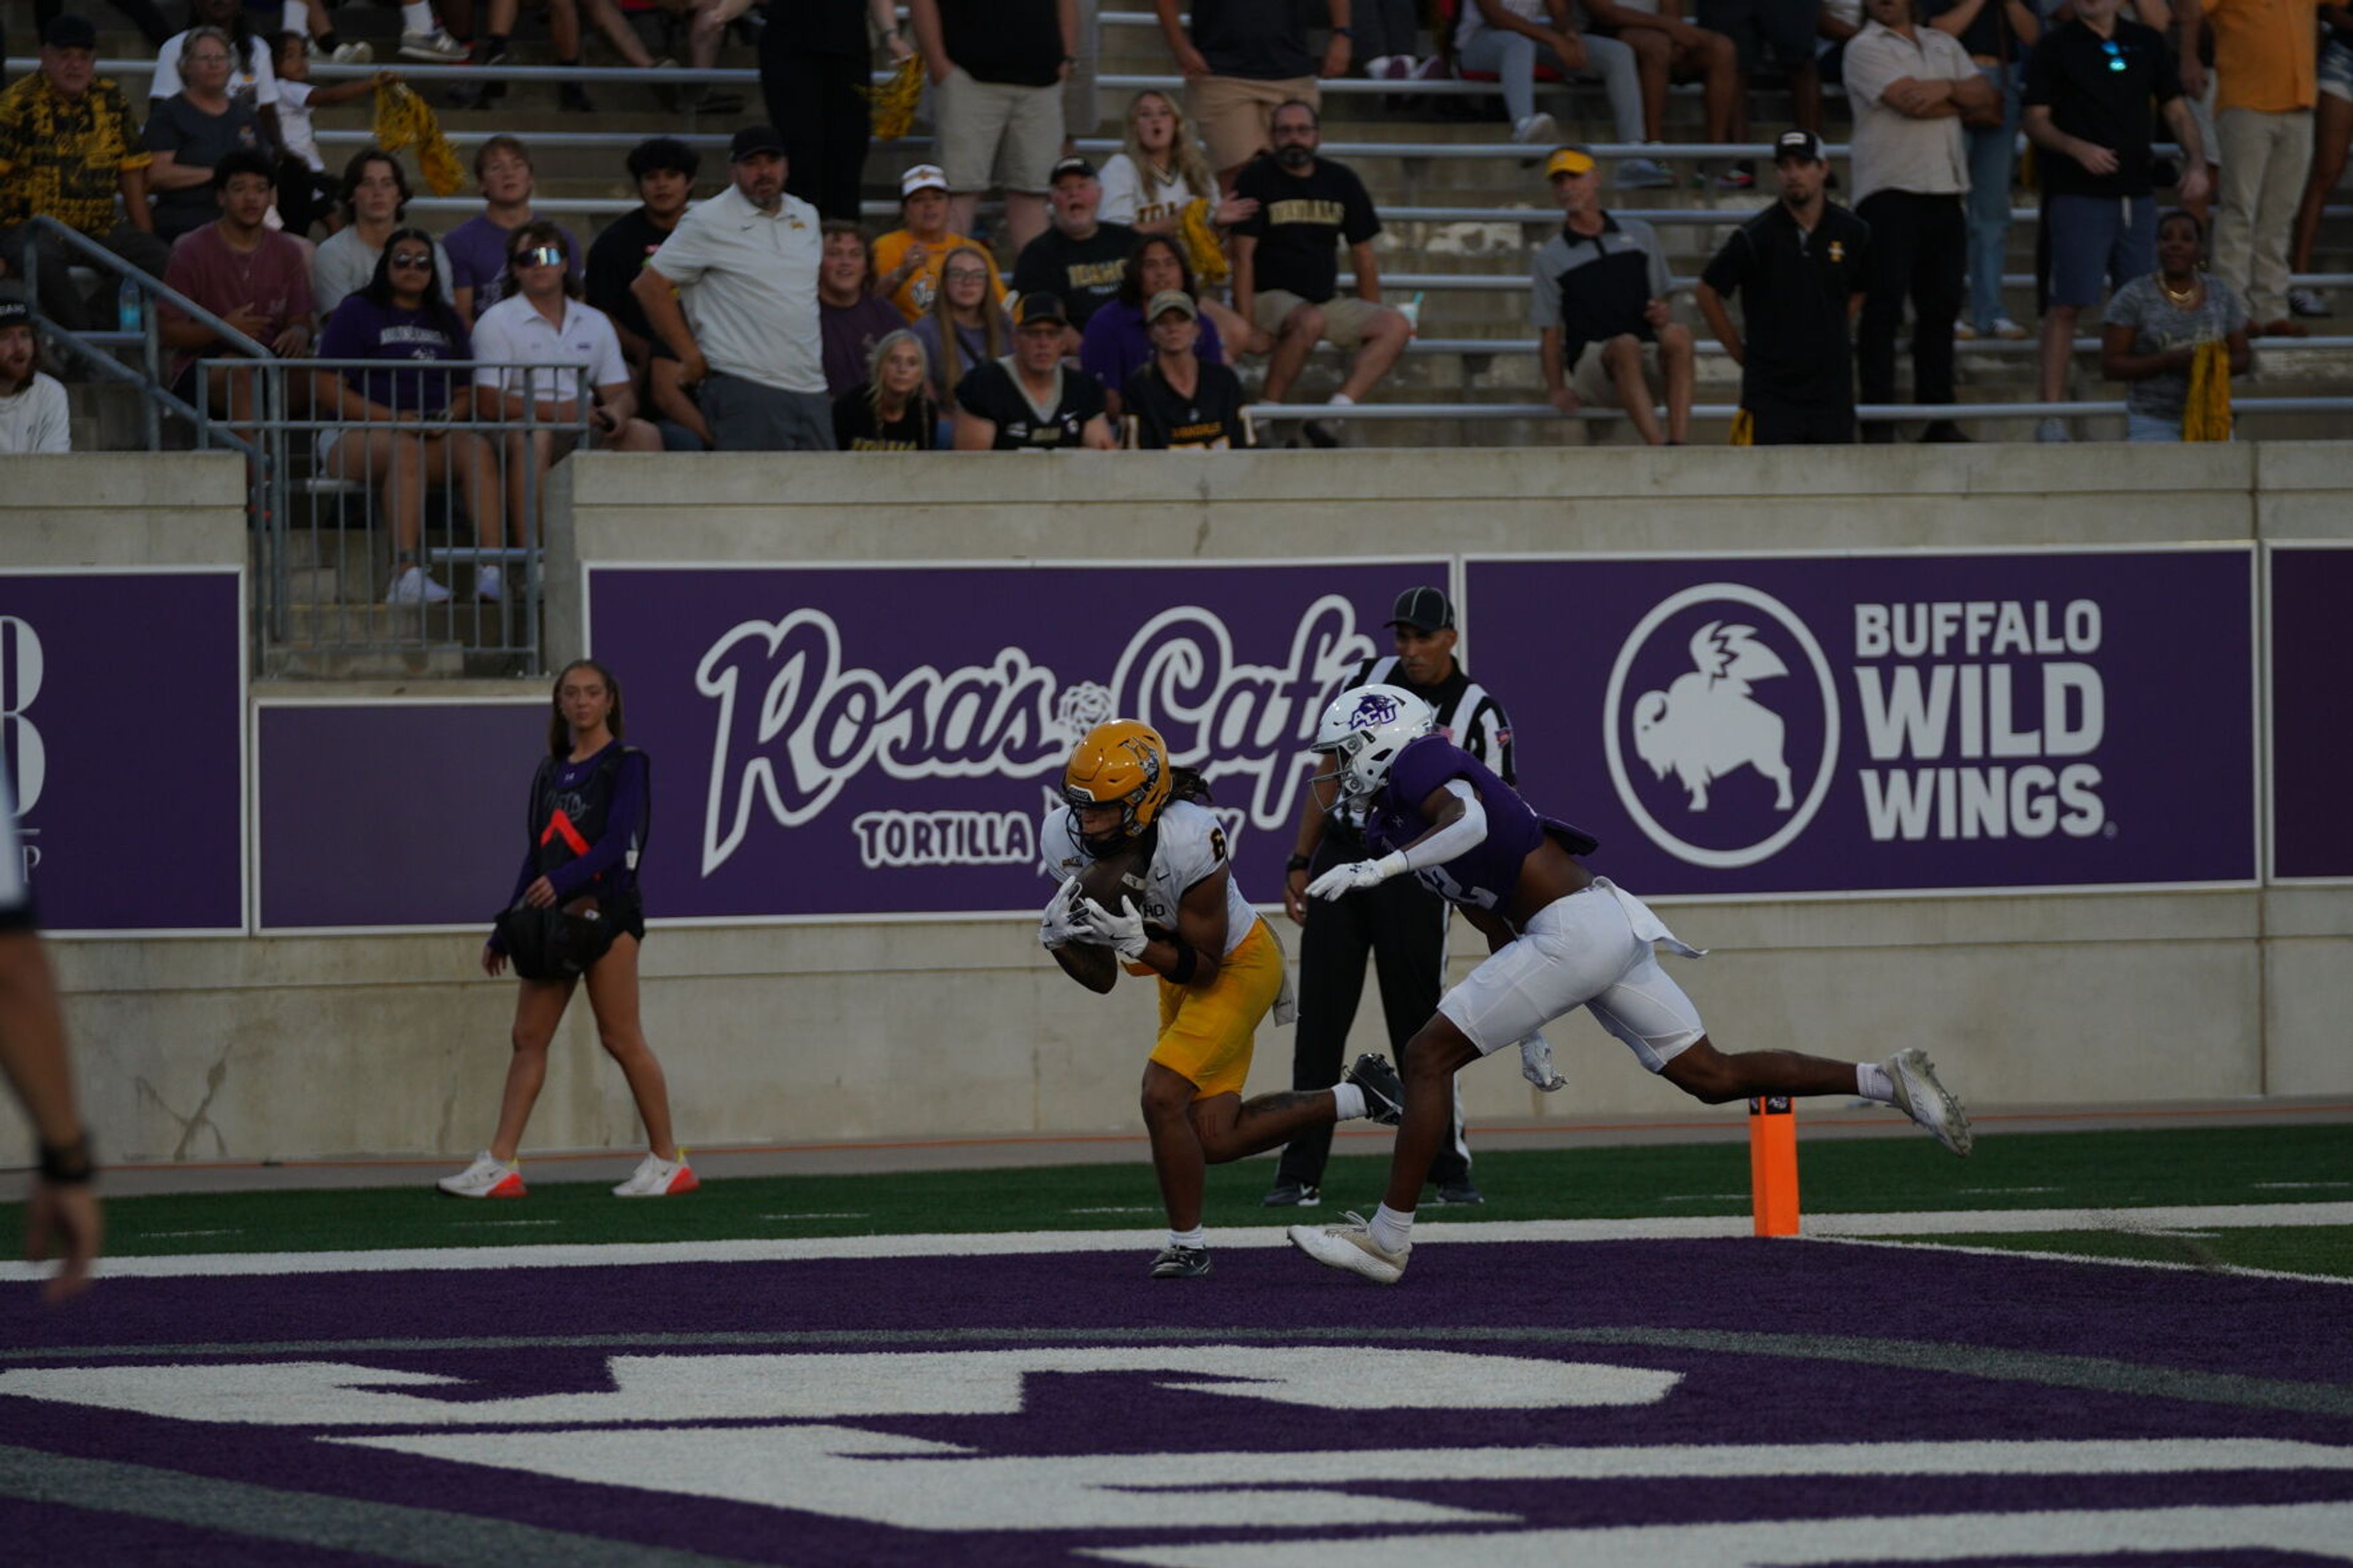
(1342, 880)
(1122, 931)
(1535, 1065)
(1060, 925)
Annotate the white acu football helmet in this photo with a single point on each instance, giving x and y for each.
(1363, 730)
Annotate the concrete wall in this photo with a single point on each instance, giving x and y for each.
(293, 1047)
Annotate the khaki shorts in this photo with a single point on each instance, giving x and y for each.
(1233, 115)
(995, 134)
(1347, 319)
(1592, 381)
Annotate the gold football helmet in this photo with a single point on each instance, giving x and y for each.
(1121, 762)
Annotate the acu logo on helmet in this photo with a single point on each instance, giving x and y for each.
(1372, 709)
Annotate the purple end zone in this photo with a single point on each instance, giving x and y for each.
(2142, 1340)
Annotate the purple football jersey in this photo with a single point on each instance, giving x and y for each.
(1483, 876)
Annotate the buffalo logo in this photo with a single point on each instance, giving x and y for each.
(1701, 720)
(1372, 709)
(1706, 724)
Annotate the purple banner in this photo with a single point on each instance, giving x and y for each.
(884, 740)
(122, 708)
(391, 814)
(1876, 723)
(2312, 715)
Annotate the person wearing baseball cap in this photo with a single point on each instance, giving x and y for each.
(1799, 268)
(32, 414)
(1078, 257)
(908, 259)
(1030, 401)
(68, 143)
(1400, 924)
(1605, 331)
(1174, 401)
(733, 291)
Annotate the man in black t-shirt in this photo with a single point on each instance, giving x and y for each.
(664, 168)
(1028, 401)
(998, 66)
(1079, 258)
(1174, 402)
(1286, 264)
(1798, 268)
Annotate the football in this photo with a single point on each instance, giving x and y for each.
(1107, 882)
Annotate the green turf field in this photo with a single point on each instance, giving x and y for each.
(2120, 1170)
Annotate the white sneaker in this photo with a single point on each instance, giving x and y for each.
(1539, 129)
(433, 46)
(354, 53)
(1963, 330)
(414, 588)
(1643, 175)
(1920, 1096)
(489, 584)
(1351, 1247)
(656, 1177)
(486, 1177)
(2052, 429)
(2008, 331)
(2307, 302)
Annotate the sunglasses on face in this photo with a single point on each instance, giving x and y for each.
(540, 255)
(416, 260)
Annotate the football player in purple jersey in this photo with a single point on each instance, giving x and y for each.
(1558, 938)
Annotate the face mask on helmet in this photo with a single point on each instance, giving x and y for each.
(1362, 732)
(1123, 763)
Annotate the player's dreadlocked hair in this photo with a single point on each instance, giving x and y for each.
(1187, 783)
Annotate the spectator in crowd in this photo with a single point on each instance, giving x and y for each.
(1668, 50)
(909, 258)
(1286, 268)
(1160, 171)
(1598, 300)
(851, 318)
(541, 321)
(1997, 35)
(564, 33)
(33, 413)
(997, 68)
(1799, 268)
(1078, 259)
(1118, 340)
(399, 436)
(375, 195)
(2332, 134)
(733, 292)
(964, 327)
(1510, 38)
(305, 193)
(67, 145)
(1176, 401)
(252, 76)
(478, 246)
(1780, 32)
(2090, 87)
(813, 60)
(2158, 322)
(2264, 68)
(255, 278)
(1909, 87)
(1243, 60)
(423, 37)
(663, 170)
(1030, 401)
(706, 23)
(891, 408)
(192, 131)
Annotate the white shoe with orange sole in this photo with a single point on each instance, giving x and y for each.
(488, 1177)
(656, 1177)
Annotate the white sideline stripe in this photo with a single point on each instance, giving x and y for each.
(2041, 1257)
(614, 1255)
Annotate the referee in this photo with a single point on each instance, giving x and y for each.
(1400, 924)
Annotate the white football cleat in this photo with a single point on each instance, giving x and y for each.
(656, 1177)
(1920, 1096)
(488, 1177)
(1351, 1247)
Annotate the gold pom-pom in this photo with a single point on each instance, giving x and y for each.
(403, 118)
(894, 101)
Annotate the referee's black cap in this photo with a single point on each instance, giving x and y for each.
(1423, 609)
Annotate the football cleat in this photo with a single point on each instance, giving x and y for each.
(1461, 1192)
(656, 1177)
(1288, 1194)
(488, 1177)
(1919, 1096)
(1182, 1263)
(1384, 1090)
(1351, 1247)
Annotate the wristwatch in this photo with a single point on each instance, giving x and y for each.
(1297, 863)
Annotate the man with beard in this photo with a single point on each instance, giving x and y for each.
(33, 413)
(1798, 268)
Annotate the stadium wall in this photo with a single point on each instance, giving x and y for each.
(290, 1045)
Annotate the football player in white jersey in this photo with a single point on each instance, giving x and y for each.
(1219, 968)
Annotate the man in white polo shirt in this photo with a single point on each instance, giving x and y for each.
(742, 268)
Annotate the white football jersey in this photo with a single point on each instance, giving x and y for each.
(1191, 846)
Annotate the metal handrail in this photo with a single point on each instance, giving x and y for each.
(1868, 412)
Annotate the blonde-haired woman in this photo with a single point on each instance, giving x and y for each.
(964, 327)
(1160, 170)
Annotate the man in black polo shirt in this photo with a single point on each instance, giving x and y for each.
(1598, 303)
(1174, 402)
(1028, 401)
(1287, 267)
(1797, 266)
(1078, 258)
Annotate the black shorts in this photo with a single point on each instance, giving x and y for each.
(1777, 31)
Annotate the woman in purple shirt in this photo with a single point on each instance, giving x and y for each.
(398, 433)
(1117, 343)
